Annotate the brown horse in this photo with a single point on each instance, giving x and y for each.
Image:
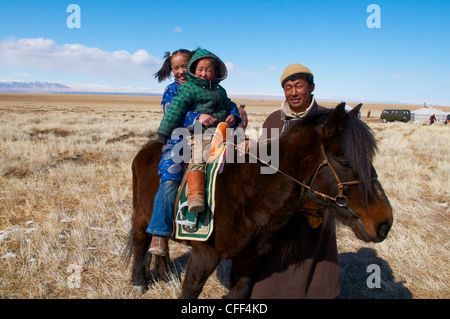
(326, 157)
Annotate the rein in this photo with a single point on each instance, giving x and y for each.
(340, 200)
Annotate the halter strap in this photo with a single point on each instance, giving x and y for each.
(339, 200)
(340, 184)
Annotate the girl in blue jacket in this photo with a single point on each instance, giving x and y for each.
(171, 172)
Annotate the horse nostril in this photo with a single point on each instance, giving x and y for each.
(383, 229)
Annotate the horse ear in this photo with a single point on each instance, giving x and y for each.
(355, 110)
(340, 109)
(332, 124)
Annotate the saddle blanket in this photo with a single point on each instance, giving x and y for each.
(198, 226)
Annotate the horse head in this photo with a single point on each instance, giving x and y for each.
(345, 181)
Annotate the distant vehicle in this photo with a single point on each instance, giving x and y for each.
(393, 115)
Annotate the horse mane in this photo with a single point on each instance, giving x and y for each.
(359, 145)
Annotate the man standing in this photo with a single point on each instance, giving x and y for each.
(304, 260)
(243, 115)
(432, 119)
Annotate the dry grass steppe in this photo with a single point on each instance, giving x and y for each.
(65, 200)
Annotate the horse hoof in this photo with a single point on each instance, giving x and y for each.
(139, 289)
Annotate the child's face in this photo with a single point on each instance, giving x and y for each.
(206, 69)
(179, 64)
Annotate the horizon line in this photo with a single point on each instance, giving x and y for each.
(100, 89)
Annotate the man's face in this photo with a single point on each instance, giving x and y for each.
(298, 94)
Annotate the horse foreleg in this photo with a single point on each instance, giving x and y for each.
(202, 263)
(241, 277)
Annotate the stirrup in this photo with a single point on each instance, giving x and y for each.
(187, 225)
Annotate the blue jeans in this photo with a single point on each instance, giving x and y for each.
(162, 218)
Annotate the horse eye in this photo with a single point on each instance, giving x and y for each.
(344, 163)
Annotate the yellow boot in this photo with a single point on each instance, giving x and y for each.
(196, 191)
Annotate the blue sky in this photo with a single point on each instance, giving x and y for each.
(121, 43)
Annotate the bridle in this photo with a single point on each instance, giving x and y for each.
(340, 200)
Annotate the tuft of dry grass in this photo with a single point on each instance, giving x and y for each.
(414, 167)
(65, 202)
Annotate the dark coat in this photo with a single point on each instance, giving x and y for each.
(304, 261)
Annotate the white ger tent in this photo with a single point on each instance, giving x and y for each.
(424, 114)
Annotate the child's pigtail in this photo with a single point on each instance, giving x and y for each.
(166, 69)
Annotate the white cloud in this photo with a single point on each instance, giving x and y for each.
(177, 29)
(273, 68)
(46, 55)
(229, 65)
(111, 88)
(16, 77)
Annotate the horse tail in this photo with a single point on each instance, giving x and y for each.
(145, 184)
(129, 245)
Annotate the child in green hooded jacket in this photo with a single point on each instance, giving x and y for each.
(201, 93)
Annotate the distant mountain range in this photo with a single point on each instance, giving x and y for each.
(53, 87)
(33, 87)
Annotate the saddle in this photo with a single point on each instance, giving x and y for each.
(199, 226)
